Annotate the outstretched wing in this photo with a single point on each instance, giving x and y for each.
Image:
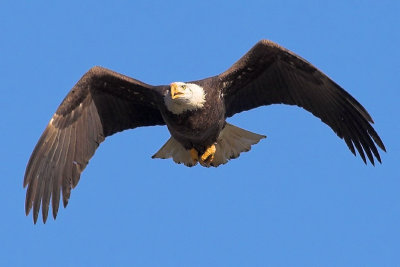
(102, 103)
(270, 74)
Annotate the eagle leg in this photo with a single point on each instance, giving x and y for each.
(208, 156)
(194, 154)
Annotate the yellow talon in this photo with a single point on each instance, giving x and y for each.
(194, 154)
(208, 156)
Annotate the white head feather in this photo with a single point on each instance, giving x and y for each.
(191, 97)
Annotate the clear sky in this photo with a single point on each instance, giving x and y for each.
(298, 198)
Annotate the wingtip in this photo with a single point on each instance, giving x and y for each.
(382, 146)
(364, 158)
(44, 217)
(35, 217)
(25, 182)
(65, 202)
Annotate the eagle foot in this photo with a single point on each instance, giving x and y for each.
(208, 156)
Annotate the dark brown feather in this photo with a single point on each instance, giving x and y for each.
(270, 74)
(100, 104)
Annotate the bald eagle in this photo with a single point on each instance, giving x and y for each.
(104, 102)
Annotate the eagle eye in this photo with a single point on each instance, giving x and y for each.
(184, 86)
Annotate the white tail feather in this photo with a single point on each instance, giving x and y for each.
(173, 149)
(231, 142)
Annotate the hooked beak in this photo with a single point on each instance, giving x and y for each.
(176, 91)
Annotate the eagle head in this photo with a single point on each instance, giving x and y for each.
(184, 97)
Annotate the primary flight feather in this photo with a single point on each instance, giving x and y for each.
(104, 102)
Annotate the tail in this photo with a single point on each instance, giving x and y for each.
(231, 142)
(175, 150)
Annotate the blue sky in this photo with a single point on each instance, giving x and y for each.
(299, 198)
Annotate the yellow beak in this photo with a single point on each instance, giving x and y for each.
(176, 91)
